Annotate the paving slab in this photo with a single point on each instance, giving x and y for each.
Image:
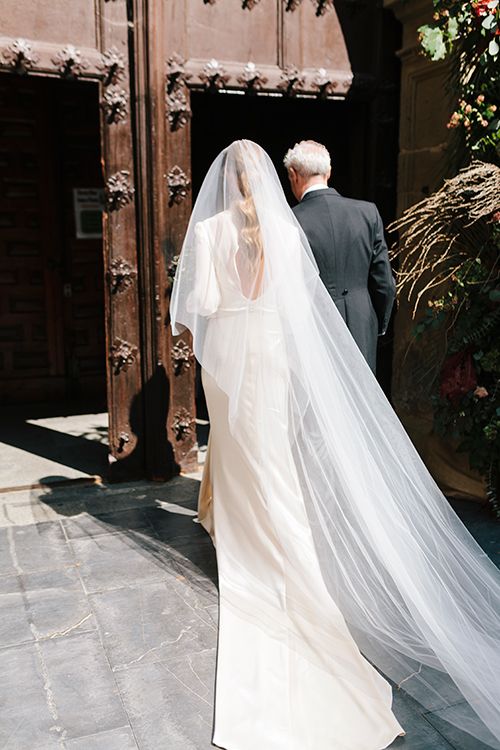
(420, 734)
(111, 561)
(166, 623)
(459, 740)
(57, 603)
(33, 548)
(87, 525)
(14, 618)
(168, 705)
(82, 686)
(116, 739)
(29, 718)
(50, 449)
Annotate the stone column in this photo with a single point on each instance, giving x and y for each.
(424, 161)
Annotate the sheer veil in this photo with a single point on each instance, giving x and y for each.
(419, 595)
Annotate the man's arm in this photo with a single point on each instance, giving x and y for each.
(380, 281)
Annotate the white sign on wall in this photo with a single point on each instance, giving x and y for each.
(89, 205)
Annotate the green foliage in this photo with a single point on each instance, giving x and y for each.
(470, 30)
(467, 399)
(470, 311)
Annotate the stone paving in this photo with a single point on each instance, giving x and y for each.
(108, 621)
(38, 446)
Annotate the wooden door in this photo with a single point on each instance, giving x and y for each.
(52, 305)
(84, 43)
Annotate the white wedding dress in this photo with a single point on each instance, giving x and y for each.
(289, 674)
(336, 551)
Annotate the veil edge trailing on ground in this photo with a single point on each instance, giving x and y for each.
(419, 595)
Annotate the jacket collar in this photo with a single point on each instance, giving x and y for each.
(324, 191)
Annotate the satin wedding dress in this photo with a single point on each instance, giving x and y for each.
(289, 674)
(335, 549)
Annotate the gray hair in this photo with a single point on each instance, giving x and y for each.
(308, 158)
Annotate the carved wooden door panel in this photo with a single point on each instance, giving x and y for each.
(125, 382)
(32, 358)
(52, 316)
(75, 114)
(88, 40)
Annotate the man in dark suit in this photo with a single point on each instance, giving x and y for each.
(347, 240)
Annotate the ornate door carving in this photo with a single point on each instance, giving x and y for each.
(123, 330)
(46, 51)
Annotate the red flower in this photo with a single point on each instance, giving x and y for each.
(458, 377)
(480, 8)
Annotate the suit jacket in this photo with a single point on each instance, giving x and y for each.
(347, 240)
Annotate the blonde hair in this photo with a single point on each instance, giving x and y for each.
(251, 232)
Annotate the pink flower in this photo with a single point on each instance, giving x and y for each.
(484, 123)
(480, 99)
(481, 392)
(468, 109)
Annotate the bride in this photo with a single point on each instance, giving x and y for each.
(340, 562)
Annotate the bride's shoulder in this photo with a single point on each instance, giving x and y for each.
(214, 221)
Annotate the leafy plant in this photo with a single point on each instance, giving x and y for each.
(449, 251)
(469, 31)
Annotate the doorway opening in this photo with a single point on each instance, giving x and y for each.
(345, 127)
(52, 335)
(276, 124)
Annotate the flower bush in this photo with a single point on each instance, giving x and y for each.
(470, 31)
(449, 243)
(467, 398)
(449, 251)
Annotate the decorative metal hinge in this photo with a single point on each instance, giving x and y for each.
(214, 76)
(252, 78)
(121, 275)
(178, 109)
(177, 96)
(323, 6)
(20, 56)
(119, 191)
(292, 5)
(182, 357)
(123, 439)
(249, 4)
(324, 86)
(123, 354)
(172, 268)
(176, 72)
(182, 424)
(69, 62)
(115, 105)
(112, 65)
(178, 185)
(292, 80)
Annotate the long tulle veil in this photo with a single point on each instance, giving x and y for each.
(419, 595)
